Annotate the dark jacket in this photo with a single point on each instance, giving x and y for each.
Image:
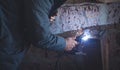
(25, 22)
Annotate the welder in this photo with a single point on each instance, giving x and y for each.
(26, 22)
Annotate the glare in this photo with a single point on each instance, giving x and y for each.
(86, 37)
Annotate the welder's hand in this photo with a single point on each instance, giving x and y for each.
(52, 19)
(70, 43)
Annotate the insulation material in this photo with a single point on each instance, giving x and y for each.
(75, 16)
(113, 13)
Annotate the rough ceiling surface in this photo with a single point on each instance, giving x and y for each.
(75, 16)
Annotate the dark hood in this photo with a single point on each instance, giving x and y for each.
(57, 4)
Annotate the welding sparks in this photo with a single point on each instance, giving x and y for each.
(86, 37)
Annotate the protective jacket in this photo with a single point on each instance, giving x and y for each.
(25, 22)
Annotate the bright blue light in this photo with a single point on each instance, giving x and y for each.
(86, 37)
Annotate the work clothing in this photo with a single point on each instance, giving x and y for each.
(25, 22)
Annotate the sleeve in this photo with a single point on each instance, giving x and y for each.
(37, 26)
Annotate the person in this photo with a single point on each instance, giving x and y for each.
(25, 22)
